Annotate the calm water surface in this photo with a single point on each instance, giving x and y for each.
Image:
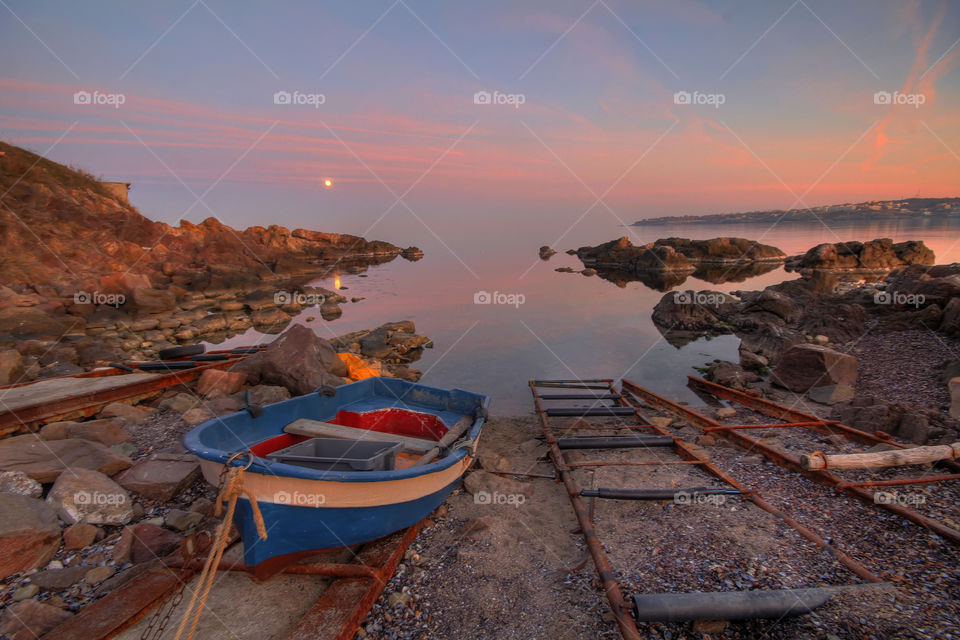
(569, 325)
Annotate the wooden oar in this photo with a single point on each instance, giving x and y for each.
(451, 436)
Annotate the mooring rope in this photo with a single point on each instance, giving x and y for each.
(232, 489)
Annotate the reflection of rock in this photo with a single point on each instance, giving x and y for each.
(719, 274)
(546, 252)
(656, 280)
(412, 253)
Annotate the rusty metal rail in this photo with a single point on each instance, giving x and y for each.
(689, 456)
(785, 460)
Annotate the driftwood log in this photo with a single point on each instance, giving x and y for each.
(882, 459)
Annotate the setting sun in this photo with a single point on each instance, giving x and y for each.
(328, 183)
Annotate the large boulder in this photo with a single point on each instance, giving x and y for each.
(875, 255)
(82, 495)
(160, 476)
(694, 310)
(805, 366)
(29, 533)
(108, 431)
(24, 323)
(45, 461)
(299, 360)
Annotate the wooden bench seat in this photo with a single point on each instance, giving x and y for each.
(318, 429)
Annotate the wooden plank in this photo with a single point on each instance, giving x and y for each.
(319, 429)
(56, 389)
(881, 459)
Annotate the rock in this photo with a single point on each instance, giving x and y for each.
(223, 405)
(545, 252)
(24, 323)
(11, 366)
(98, 574)
(661, 421)
(29, 533)
(272, 320)
(709, 626)
(59, 579)
(19, 483)
(219, 382)
(954, 387)
(202, 506)
(411, 253)
(160, 476)
(29, 620)
(78, 536)
(589, 272)
(182, 520)
(831, 394)
(265, 394)
(725, 412)
(879, 254)
(56, 430)
(483, 486)
(493, 462)
(180, 403)
(360, 369)
(44, 461)
(950, 320)
(25, 592)
(914, 428)
(330, 311)
(153, 300)
(123, 283)
(730, 374)
(197, 416)
(398, 598)
(706, 440)
(83, 495)
(145, 542)
(299, 360)
(695, 311)
(752, 361)
(108, 432)
(375, 344)
(805, 366)
(128, 413)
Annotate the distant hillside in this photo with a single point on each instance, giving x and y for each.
(873, 210)
(59, 225)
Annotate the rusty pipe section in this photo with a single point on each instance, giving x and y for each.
(686, 451)
(619, 606)
(821, 475)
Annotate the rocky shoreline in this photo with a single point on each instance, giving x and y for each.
(63, 547)
(818, 336)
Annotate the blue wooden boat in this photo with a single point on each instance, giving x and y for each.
(330, 471)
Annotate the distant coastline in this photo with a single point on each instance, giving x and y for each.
(875, 210)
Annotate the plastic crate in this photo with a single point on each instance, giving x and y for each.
(337, 454)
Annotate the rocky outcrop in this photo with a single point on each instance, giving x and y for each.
(876, 255)
(676, 254)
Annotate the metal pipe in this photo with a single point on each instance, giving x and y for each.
(727, 605)
(615, 442)
(656, 494)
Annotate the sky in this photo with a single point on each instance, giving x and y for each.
(600, 112)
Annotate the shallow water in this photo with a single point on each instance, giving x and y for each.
(568, 325)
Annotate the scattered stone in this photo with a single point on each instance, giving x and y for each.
(20, 483)
(662, 421)
(144, 542)
(59, 579)
(264, 394)
(84, 495)
(398, 598)
(29, 533)
(30, 619)
(44, 461)
(492, 462)
(78, 536)
(725, 412)
(709, 626)
(160, 476)
(25, 592)
(128, 413)
(98, 574)
(706, 440)
(197, 415)
(180, 403)
(954, 386)
(108, 432)
(11, 366)
(182, 520)
(202, 506)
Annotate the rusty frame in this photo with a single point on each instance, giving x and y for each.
(782, 459)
